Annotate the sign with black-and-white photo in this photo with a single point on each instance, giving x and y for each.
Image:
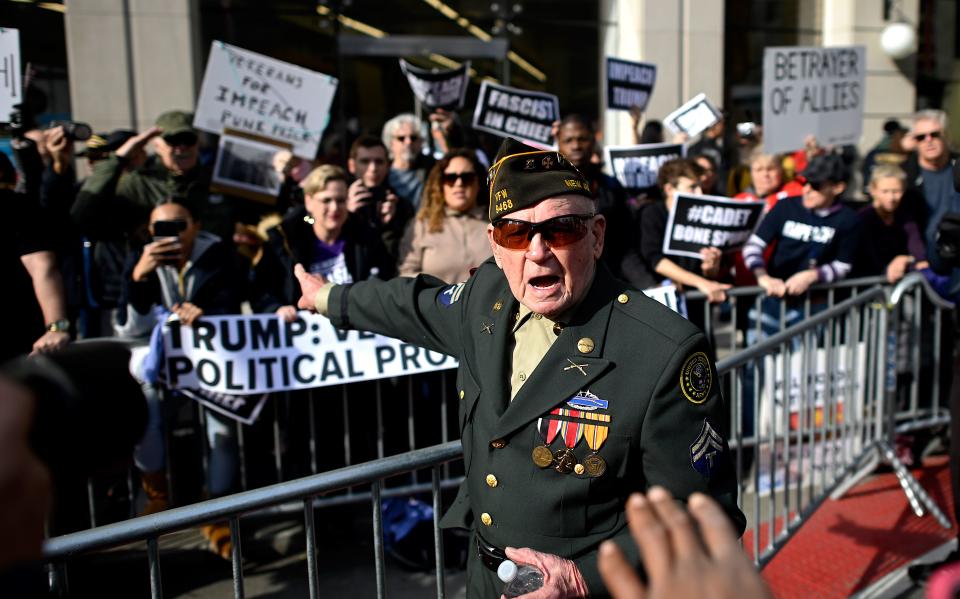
(245, 167)
(510, 112)
(698, 221)
(694, 117)
(246, 91)
(636, 167)
(438, 89)
(11, 86)
(260, 353)
(629, 84)
(812, 91)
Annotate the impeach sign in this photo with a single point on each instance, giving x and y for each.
(812, 91)
(511, 112)
(629, 84)
(438, 89)
(637, 167)
(698, 222)
(259, 353)
(249, 92)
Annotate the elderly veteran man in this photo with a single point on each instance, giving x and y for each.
(575, 389)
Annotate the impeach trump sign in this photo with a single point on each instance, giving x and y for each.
(511, 112)
(259, 353)
(698, 222)
(812, 91)
(249, 92)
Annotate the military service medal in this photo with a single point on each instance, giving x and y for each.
(596, 435)
(571, 432)
(548, 429)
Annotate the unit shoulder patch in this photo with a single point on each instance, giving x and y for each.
(696, 378)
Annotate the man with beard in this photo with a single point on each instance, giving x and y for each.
(576, 140)
(408, 166)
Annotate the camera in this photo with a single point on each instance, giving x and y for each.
(74, 130)
(747, 130)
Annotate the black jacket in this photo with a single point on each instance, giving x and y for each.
(293, 241)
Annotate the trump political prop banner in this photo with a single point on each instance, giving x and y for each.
(511, 112)
(11, 87)
(694, 117)
(629, 84)
(636, 167)
(249, 92)
(438, 89)
(698, 222)
(259, 353)
(812, 91)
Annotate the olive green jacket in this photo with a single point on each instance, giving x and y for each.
(640, 350)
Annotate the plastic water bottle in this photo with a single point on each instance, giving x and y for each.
(520, 581)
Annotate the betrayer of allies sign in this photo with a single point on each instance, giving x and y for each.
(700, 221)
(249, 92)
(259, 353)
(510, 112)
(810, 90)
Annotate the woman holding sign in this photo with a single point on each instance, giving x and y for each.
(449, 236)
(679, 176)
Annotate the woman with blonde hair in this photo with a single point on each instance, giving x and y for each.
(448, 237)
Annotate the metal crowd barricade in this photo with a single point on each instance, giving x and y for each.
(824, 393)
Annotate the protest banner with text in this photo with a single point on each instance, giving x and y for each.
(629, 84)
(438, 89)
(636, 167)
(249, 92)
(11, 92)
(812, 91)
(259, 353)
(699, 221)
(511, 112)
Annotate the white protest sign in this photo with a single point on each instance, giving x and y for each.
(259, 353)
(666, 295)
(812, 91)
(693, 117)
(11, 92)
(249, 92)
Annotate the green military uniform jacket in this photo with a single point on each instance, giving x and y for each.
(622, 347)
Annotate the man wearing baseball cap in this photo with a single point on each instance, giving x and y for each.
(575, 389)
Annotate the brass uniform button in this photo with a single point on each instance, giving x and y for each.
(522, 377)
(578, 468)
(623, 298)
(461, 393)
(498, 444)
(491, 481)
(486, 519)
(585, 345)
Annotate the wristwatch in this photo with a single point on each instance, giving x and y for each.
(59, 326)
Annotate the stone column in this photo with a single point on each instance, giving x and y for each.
(684, 38)
(130, 60)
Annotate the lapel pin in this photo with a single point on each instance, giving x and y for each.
(585, 345)
(487, 328)
(579, 367)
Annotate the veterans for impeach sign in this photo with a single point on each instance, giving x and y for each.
(249, 92)
(511, 112)
(812, 91)
(259, 353)
(636, 167)
(698, 222)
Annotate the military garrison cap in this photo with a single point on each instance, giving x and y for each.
(522, 175)
(175, 121)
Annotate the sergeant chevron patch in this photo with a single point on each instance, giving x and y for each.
(451, 294)
(707, 450)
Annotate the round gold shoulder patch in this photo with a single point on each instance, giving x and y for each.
(696, 378)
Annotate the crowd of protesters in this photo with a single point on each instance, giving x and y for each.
(144, 236)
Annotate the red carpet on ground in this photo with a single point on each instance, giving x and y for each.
(848, 545)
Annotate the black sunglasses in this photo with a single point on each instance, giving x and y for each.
(557, 232)
(818, 185)
(468, 178)
(180, 139)
(931, 135)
